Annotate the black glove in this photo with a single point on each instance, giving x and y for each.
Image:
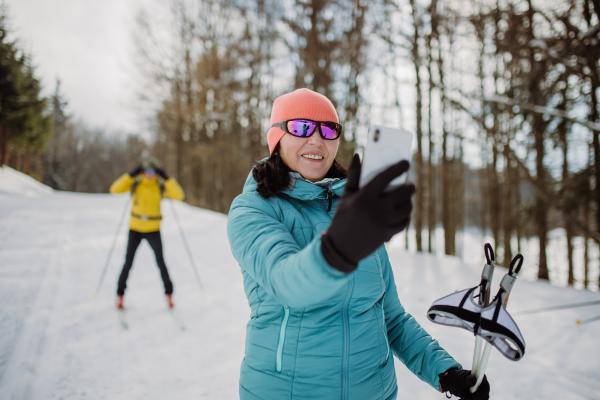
(161, 172)
(366, 218)
(459, 383)
(136, 171)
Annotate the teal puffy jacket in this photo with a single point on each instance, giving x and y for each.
(315, 332)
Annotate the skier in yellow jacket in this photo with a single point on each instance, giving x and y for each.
(148, 184)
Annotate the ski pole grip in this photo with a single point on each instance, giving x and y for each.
(518, 259)
(489, 253)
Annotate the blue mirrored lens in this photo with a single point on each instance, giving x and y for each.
(301, 128)
(150, 171)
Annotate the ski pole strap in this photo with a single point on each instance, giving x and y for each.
(146, 217)
(489, 253)
(518, 259)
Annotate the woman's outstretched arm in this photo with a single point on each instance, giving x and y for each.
(421, 354)
(267, 251)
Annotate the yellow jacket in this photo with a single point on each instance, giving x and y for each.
(145, 210)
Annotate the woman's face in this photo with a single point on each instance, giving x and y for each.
(311, 157)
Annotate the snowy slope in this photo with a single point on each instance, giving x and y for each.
(58, 342)
(14, 182)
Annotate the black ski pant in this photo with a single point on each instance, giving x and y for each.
(155, 241)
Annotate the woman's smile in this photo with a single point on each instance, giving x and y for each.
(313, 157)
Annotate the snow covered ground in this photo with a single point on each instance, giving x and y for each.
(58, 342)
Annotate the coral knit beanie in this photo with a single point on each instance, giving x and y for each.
(301, 103)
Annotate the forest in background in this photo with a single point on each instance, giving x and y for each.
(502, 97)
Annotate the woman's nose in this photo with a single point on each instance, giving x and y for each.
(316, 139)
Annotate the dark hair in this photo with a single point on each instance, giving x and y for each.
(273, 175)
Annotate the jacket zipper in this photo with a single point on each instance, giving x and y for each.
(385, 328)
(286, 316)
(346, 341)
(329, 195)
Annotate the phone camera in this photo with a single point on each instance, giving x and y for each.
(376, 136)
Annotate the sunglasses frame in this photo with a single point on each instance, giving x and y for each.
(150, 169)
(283, 126)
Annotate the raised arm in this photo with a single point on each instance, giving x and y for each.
(122, 185)
(266, 250)
(173, 190)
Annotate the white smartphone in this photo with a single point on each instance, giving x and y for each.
(385, 146)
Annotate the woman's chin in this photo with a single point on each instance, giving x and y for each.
(313, 176)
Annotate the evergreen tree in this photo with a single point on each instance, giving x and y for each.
(11, 108)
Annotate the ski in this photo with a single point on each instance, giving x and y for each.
(585, 321)
(562, 307)
(176, 319)
(122, 320)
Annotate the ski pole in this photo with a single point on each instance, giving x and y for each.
(506, 286)
(112, 247)
(187, 248)
(484, 298)
(585, 321)
(563, 307)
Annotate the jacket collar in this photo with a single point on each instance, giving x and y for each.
(301, 189)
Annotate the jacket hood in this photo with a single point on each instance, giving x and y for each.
(301, 189)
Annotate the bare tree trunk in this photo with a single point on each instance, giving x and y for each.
(502, 214)
(27, 160)
(7, 154)
(484, 195)
(566, 204)
(446, 197)
(3, 145)
(418, 212)
(178, 132)
(38, 165)
(593, 114)
(446, 166)
(517, 212)
(538, 128)
(541, 209)
(586, 222)
(460, 197)
(586, 238)
(431, 181)
(508, 207)
(567, 215)
(484, 182)
(18, 165)
(356, 42)
(494, 196)
(431, 192)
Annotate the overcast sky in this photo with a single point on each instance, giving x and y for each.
(87, 45)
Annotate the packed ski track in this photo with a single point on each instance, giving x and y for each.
(59, 342)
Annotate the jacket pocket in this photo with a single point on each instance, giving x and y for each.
(387, 343)
(286, 317)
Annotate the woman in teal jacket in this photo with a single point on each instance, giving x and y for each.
(326, 319)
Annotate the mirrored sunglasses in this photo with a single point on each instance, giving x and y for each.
(306, 127)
